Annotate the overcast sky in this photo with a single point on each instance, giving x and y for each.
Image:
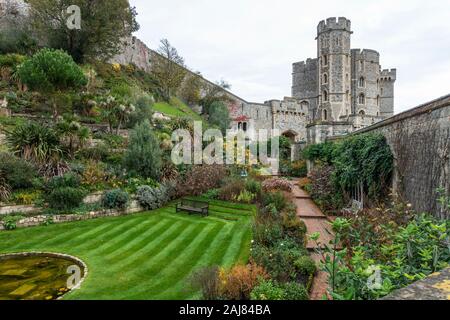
(253, 43)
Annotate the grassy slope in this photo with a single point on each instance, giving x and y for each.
(176, 109)
(143, 256)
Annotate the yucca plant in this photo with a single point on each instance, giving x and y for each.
(35, 142)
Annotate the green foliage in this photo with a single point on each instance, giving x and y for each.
(373, 269)
(219, 116)
(325, 193)
(276, 199)
(11, 60)
(51, 70)
(17, 173)
(267, 290)
(66, 198)
(143, 156)
(294, 291)
(324, 152)
(253, 186)
(364, 158)
(10, 221)
(5, 189)
(115, 199)
(35, 142)
(212, 194)
(153, 198)
(64, 192)
(104, 24)
(305, 266)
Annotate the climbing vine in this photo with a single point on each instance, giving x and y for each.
(360, 159)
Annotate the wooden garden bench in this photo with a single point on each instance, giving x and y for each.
(193, 206)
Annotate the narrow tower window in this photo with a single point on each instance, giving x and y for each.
(362, 99)
(325, 115)
(325, 96)
(362, 82)
(325, 78)
(325, 60)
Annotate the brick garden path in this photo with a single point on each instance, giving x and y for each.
(315, 221)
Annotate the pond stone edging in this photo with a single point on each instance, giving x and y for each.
(76, 260)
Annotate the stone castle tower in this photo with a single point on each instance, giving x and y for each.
(343, 84)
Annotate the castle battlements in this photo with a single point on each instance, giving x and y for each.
(334, 23)
(366, 55)
(388, 74)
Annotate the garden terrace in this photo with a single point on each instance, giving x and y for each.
(154, 253)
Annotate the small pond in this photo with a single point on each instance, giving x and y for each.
(37, 276)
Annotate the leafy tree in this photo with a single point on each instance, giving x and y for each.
(51, 71)
(191, 89)
(168, 69)
(104, 26)
(213, 93)
(144, 155)
(219, 115)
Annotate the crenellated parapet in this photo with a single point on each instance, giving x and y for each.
(334, 23)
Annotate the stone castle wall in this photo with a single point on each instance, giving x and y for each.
(420, 141)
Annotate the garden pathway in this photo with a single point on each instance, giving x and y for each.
(315, 221)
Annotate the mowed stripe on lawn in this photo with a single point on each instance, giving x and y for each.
(143, 256)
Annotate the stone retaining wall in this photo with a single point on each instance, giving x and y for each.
(35, 221)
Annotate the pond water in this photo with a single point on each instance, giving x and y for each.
(34, 277)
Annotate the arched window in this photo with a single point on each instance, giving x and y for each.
(325, 78)
(239, 125)
(325, 60)
(362, 99)
(325, 115)
(362, 82)
(362, 113)
(325, 96)
(244, 126)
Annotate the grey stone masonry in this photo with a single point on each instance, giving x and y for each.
(435, 287)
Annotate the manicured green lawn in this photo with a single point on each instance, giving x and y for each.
(144, 256)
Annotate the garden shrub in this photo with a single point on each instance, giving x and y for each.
(51, 70)
(66, 198)
(238, 282)
(267, 290)
(267, 234)
(115, 199)
(277, 199)
(152, 198)
(212, 194)
(276, 184)
(5, 189)
(253, 186)
(324, 192)
(100, 152)
(323, 152)
(70, 180)
(10, 221)
(232, 189)
(17, 173)
(207, 281)
(279, 259)
(143, 156)
(294, 228)
(298, 169)
(94, 174)
(305, 266)
(200, 179)
(245, 197)
(36, 142)
(295, 291)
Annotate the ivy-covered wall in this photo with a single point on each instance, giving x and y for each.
(420, 141)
